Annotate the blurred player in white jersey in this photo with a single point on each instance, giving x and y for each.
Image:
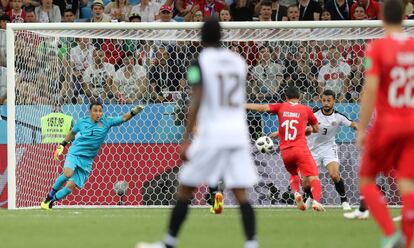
(323, 146)
(221, 148)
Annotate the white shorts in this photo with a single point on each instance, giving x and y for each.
(324, 155)
(208, 165)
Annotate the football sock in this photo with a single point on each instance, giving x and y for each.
(378, 207)
(295, 183)
(340, 188)
(316, 189)
(408, 218)
(212, 191)
(58, 184)
(308, 192)
(249, 220)
(61, 194)
(362, 206)
(178, 216)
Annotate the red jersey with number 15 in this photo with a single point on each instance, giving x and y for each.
(293, 119)
(391, 59)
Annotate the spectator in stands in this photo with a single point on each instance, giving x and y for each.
(134, 17)
(4, 6)
(335, 74)
(98, 78)
(98, 14)
(116, 15)
(326, 15)
(287, 3)
(372, 8)
(185, 8)
(3, 85)
(197, 16)
(122, 6)
(211, 7)
(409, 8)
(30, 4)
(130, 81)
(114, 52)
(16, 13)
(305, 74)
(242, 10)
(4, 19)
(279, 12)
(68, 16)
(309, 10)
(265, 12)
(147, 10)
(339, 9)
(67, 4)
(359, 13)
(266, 75)
(355, 87)
(165, 14)
(48, 12)
(224, 15)
(30, 15)
(293, 13)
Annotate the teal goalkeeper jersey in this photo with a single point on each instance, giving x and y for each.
(91, 135)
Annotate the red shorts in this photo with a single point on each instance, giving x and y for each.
(387, 149)
(299, 159)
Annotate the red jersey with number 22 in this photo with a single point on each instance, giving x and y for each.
(293, 119)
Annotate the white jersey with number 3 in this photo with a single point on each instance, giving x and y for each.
(328, 125)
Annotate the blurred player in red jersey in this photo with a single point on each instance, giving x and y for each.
(390, 142)
(293, 120)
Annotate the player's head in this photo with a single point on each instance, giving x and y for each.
(292, 92)
(96, 110)
(211, 33)
(328, 100)
(393, 12)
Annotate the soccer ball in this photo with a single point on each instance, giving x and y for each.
(264, 144)
(120, 188)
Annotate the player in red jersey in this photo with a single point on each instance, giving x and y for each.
(389, 144)
(293, 120)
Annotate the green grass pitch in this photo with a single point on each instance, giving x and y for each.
(122, 228)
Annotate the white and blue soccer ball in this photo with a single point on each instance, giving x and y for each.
(120, 188)
(264, 144)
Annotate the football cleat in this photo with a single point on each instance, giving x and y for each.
(308, 203)
(395, 241)
(317, 206)
(150, 245)
(357, 215)
(299, 201)
(345, 206)
(46, 205)
(218, 203)
(397, 218)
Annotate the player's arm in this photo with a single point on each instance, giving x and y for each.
(134, 111)
(258, 107)
(313, 122)
(354, 125)
(68, 139)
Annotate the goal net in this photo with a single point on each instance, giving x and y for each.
(61, 67)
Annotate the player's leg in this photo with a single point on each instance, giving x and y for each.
(248, 217)
(406, 187)
(333, 170)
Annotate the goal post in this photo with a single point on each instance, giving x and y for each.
(62, 66)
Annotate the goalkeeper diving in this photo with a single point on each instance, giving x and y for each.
(90, 133)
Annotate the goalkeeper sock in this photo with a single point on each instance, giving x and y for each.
(408, 218)
(340, 188)
(61, 194)
(178, 216)
(249, 220)
(377, 205)
(58, 184)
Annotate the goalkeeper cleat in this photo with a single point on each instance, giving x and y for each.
(218, 203)
(357, 215)
(394, 241)
(150, 245)
(308, 203)
(299, 201)
(346, 206)
(46, 205)
(317, 206)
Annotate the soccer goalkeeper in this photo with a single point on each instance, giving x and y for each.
(91, 132)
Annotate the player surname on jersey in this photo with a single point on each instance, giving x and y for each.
(291, 114)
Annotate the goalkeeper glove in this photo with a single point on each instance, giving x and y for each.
(59, 150)
(135, 110)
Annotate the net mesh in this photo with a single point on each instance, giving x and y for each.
(64, 69)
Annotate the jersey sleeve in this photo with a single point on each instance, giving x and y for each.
(194, 76)
(115, 121)
(311, 117)
(274, 108)
(344, 120)
(371, 62)
(76, 127)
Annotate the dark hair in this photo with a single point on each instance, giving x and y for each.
(95, 103)
(211, 32)
(29, 9)
(292, 92)
(329, 93)
(393, 11)
(266, 3)
(69, 10)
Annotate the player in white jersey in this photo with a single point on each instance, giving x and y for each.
(323, 146)
(220, 150)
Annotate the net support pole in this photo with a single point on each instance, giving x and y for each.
(11, 124)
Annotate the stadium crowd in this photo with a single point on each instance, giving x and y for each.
(126, 71)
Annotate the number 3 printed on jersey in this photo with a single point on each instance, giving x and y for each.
(290, 125)
(403, 82)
